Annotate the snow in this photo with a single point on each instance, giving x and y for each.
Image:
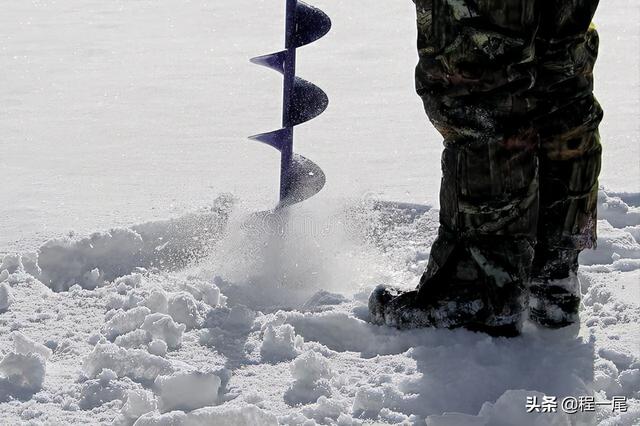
(187, 391)
(162, 328)
(131, 292)
(280, 343)
(25, 346)
(204, 343)
(5, 295)
(133, 363)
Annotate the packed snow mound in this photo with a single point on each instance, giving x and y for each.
(104, 256)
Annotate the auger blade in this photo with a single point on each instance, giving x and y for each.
(304, 180)
(277, 139)
(308, 102)
(311, 24)
(274, 61)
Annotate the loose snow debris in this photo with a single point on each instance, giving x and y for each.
(138, 402)
(187, 390)
(311, 372)
(280, 343)
(125, 321)
(136, 364)
(4, 275)
(162, 327)
(6, 299)
(24, 345)
(21, 375)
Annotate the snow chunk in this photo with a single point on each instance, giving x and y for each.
(125, 321)
(183, 308)
(161, 326)
(174, 418)
(158, 347)
(368, 402)
(25, 346)
(204, 291)
(280, 343)
(615, 211)
(630, 382)
(605, 377)
(21, 375)
(326, 408)
(157, 301)
(187, 390)
(507, 410)
(104, 388)
(613, 243)
(6, 299)
(620, 357)
(11, 263)
(133, 363)
(133, 339)
(139, 402)
(223, 416)
(311, 372)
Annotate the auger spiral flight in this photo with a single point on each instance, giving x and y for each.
(300, 178)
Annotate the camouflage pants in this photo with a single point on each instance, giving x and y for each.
(508, 84)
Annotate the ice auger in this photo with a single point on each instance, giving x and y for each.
(300, 178)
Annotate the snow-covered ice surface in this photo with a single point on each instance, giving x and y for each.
(129, 117)
(119, 112)
(265, 329)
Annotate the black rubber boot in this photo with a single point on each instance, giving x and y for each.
(404, 310)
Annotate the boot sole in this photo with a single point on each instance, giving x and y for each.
(508, 330)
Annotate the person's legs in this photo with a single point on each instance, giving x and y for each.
(474, 76)
(567, 121)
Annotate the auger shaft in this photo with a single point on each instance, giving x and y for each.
(300, 178)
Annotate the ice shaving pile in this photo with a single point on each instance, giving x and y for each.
(182, 323)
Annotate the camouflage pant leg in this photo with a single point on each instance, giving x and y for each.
(567, 120)
(475, 73)
(508, 85)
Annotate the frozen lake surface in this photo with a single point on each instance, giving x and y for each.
(113, 113)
